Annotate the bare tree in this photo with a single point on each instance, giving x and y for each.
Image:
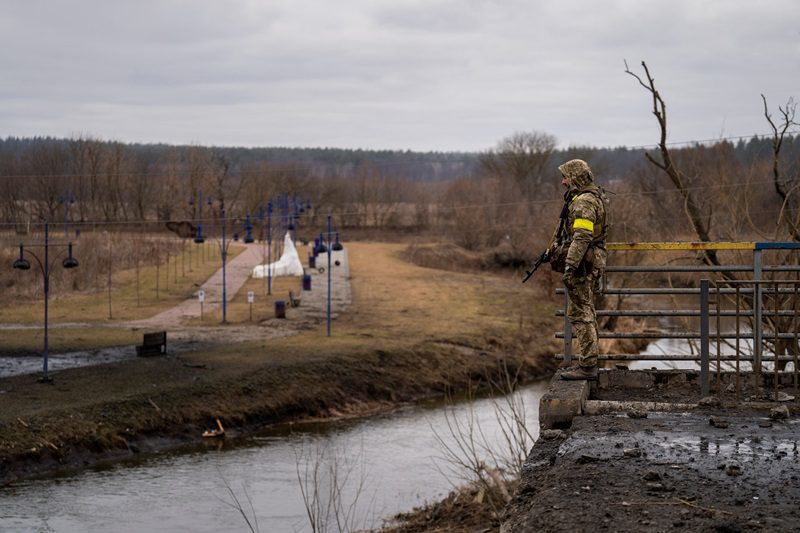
(784, 187)
(13, 191)
(681, 181)
(716, 163)
(168, 186)
(87, 156)
(113, 188)
(523, 158)
(94, 155)
(470, 213)
(48, 162)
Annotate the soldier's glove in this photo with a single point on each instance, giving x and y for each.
(597, 284)
(569, 278)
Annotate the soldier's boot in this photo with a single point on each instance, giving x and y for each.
(588, 373)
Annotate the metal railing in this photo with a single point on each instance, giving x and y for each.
(761, 310)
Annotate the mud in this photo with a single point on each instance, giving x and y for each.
(14, 365)
(666, 472)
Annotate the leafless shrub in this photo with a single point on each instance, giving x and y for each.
(332, 481)
(251, 520)
(470, 454)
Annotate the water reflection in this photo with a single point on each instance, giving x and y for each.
(685, 347)
(745, 449)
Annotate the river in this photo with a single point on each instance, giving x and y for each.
(395, 459)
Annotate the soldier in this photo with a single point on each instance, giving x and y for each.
(580, 253)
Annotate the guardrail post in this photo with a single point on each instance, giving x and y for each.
(704, 380)
(758, 269)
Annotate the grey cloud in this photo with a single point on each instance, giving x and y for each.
(394, 74)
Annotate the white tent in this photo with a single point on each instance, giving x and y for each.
(288, 265)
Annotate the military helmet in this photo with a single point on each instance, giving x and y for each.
(577, 172)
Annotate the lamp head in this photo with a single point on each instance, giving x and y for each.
(22, 263)
(69, 261)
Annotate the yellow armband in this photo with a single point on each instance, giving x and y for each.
(582, 223)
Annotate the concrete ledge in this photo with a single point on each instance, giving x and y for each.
(599, 407)
(562, 402)
(645, 379)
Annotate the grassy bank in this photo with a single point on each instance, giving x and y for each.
(411, 332)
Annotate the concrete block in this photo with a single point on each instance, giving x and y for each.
(562, 402)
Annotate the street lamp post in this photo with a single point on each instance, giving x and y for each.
(269, 248)
(329, 275)
(292, 216)
(67, 200)
(262, 216)
(45, 266)
(224, 242)
(223, 252)
(198, 235)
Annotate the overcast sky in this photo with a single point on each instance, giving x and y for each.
(392, 74)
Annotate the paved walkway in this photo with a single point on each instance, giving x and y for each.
(237, 272)
(315, 302)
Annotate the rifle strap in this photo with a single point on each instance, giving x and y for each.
(561, 229)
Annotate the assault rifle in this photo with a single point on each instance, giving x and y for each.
(544, 258)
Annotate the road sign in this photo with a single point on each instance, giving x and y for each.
(201, 295)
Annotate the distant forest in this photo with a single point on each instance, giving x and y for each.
(18, 156)
(507, 195)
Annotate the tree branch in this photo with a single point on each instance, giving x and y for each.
(691, 207)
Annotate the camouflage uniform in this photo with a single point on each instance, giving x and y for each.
(583, 241)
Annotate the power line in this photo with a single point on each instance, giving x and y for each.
(717, 139)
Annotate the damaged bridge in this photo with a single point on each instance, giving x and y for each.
(702, 440)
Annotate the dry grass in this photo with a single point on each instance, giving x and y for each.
(135, 293)
(463, 509)
(394, 298)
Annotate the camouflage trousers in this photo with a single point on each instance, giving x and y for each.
(583, 317)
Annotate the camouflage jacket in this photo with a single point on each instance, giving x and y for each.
(586, 229)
